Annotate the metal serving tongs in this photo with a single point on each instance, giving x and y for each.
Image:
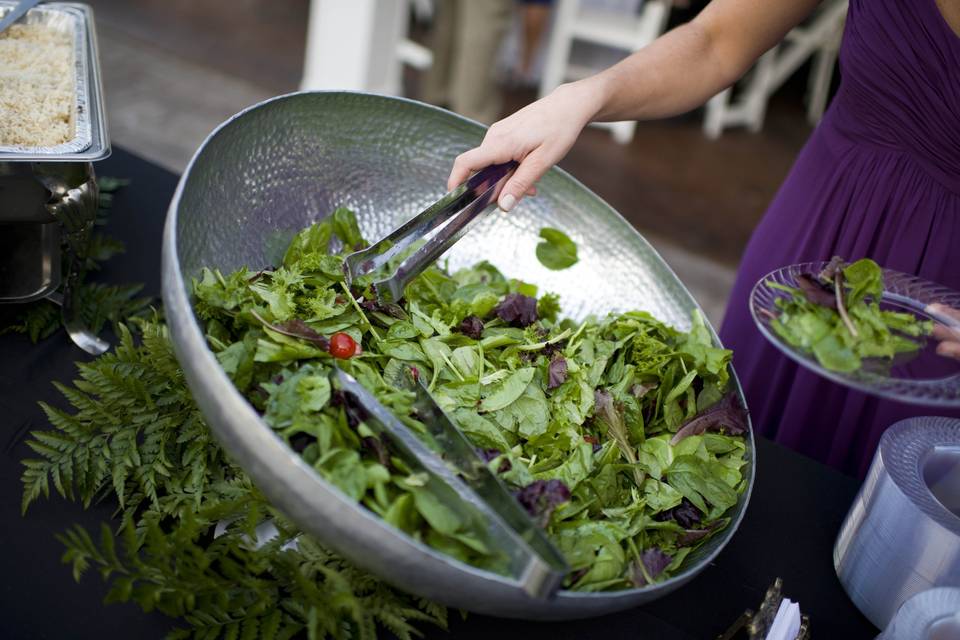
(461, 207)
(17, 12)
(462, 480)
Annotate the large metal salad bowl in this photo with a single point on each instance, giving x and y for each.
(279, 166)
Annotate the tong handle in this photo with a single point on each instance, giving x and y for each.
(477, 475)
(538, 576)
(17, 12)
(469, 200)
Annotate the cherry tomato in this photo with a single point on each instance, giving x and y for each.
(342, 346)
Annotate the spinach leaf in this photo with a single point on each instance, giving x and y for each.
(556, 251)
(505, 392)
(346, 228)
(699, 482)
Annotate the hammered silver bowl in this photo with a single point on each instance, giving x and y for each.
(289, 161)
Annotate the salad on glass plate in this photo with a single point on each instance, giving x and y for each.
(863, 326)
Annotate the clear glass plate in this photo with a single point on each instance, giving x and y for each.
(920, 378)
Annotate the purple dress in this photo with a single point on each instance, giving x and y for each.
(878, 178)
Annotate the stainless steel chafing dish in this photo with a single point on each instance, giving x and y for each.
(48, 195)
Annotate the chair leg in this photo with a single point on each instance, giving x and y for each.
(759, 90)
(623, 131)
(716, 113)
(561, 41)
(820, 76)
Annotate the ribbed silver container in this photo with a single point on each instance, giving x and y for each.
(930, 615)
(285, 163)
(902, 534)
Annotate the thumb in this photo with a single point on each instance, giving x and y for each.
(523, 179)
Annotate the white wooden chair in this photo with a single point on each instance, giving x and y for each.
(575, 21)
(818, 37)
(361, 45)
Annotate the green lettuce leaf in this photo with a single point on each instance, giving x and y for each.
(556, 251)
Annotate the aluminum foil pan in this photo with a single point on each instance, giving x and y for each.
(902, 534)
(89, 141)
(283, 164)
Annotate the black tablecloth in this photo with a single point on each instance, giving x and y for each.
(789, 529)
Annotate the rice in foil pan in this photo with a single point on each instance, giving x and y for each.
(45, 113)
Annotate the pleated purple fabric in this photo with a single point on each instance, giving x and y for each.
(878, 178)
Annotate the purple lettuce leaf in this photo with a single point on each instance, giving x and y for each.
(472, 326)
(541, 497)
(728, 414)
(556, 372)
(816, 292)
(488, 454)
(835, 266)
(391, 309)
(553, 348)
(295, 328)
(517, 309)
(692, 536)
(299, 329)
(491, 454)
(654, 561)
(685, 514)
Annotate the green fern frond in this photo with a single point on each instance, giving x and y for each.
(134, 431)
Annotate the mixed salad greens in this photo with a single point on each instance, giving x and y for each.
(836, 316)
(621, 435)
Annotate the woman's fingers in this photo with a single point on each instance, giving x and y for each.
(474, 160)
(480, 158)
(948, 336)
(537, 136)
(524, 179)
(949, 349)
(943, 332)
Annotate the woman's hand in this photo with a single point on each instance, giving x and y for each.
(949, 337)
(537, 136)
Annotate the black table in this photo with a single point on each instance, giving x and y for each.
(789, 529)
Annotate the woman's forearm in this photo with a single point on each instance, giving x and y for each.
(688, 65)
(677, 72)
(671, 76)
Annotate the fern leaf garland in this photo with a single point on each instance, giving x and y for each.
(135, 432)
